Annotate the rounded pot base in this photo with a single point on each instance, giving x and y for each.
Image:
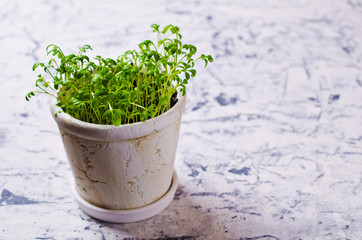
(131, 215)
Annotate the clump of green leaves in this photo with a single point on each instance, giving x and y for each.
(136, 86)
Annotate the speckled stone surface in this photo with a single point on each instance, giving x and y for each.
(271, 138)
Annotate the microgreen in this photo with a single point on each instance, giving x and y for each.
(138, 85)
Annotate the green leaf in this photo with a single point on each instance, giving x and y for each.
(111, 62)
(193, 50)
(116, 119)
(183, 90)
(37, 65)
(165, 29)
(85, 47)
(174, 29)
(193, 72)
(29, 95)
(187, 75)
(209, 57)
(155, 27)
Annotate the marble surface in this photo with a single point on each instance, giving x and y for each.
(271, 139)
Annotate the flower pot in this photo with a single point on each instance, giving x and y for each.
(122, 168)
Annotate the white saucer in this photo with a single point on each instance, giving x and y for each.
(126, 216)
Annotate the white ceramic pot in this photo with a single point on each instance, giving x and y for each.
(124, 167)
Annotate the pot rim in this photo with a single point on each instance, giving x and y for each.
(102, 132)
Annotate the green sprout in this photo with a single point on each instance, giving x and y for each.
(136, 86)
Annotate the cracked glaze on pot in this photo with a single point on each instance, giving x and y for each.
(122, 167)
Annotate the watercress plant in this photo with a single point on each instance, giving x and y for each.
(138, 85)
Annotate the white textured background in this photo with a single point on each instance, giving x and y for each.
(270, 145)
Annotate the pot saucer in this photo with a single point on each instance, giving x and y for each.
(131, 215)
